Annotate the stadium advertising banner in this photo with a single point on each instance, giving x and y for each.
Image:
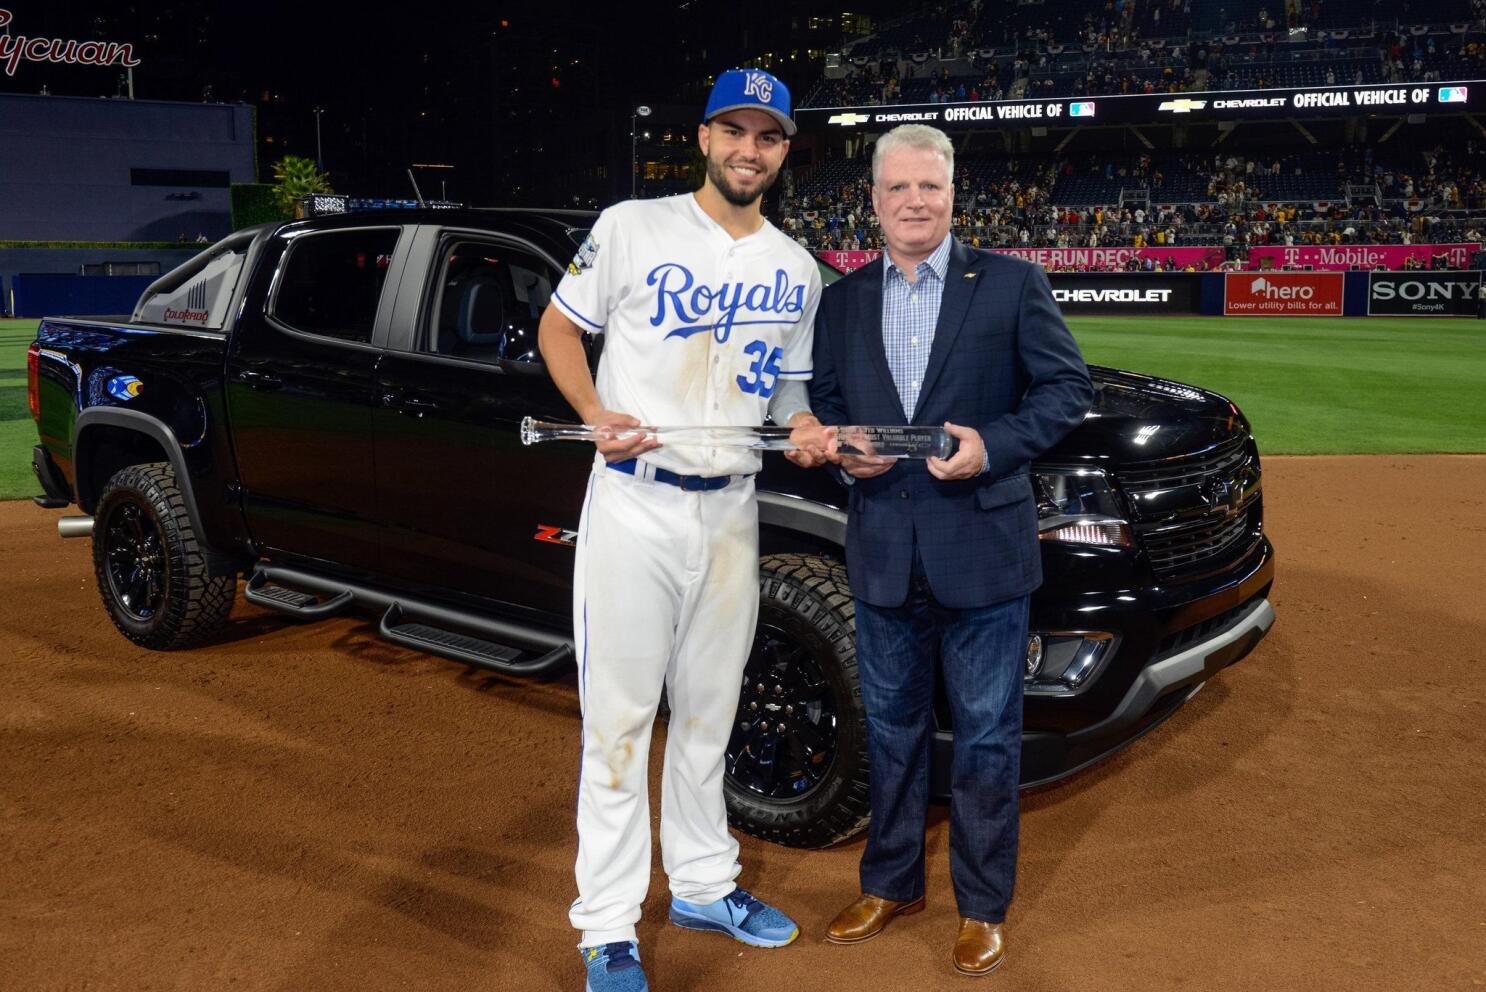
(848, 261)
(1113, 259)
(1095, 259)
(1127, 292)
(1156, 108)
(1423, 294)
(1343, 257)
(1283, 294)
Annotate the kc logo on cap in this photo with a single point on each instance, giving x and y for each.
(751, 89)
(758, 84)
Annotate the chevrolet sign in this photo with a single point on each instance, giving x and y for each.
(847, 120)
(1104, 295)
(1182, 106)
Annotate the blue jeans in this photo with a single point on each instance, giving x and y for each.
(983, 654)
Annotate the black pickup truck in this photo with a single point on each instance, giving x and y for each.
(330, 409)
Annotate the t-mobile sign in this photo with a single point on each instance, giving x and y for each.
(1282, 294)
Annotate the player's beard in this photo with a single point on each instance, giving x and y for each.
(717, 174)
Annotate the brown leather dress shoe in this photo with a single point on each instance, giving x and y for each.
(868, 917)
(980, 948)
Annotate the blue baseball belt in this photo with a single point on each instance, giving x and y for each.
(689, 483)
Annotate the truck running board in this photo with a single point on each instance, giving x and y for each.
(425, 637)
(399, 628)
(500, 645)
(299, 604)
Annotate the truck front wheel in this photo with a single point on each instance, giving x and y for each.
(162, 586)
(796, 770)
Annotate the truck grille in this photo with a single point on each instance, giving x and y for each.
(1194, 513)
(1225, 459)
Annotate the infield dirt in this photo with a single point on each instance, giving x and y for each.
(307, 807)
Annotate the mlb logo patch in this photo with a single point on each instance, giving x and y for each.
(587, 252)
(1081, 110)
(1454, 94)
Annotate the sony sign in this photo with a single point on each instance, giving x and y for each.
(16, 48)
(1424, 294)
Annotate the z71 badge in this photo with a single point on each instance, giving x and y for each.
(548, 534)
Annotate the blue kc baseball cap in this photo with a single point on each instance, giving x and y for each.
(751, 89)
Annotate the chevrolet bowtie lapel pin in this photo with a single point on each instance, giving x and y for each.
(969, 275)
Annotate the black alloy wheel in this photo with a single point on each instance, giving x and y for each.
(162, 586)
(134, 553)
(784, 741)
(796, 765)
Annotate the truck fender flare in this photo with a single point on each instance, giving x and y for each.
(139, 423)
(804, 516)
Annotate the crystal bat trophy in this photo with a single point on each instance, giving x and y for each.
(886, 442)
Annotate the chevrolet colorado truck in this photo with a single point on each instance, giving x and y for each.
(328, 409)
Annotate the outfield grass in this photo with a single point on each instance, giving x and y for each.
(17, 430)
(1319, 385)
(1310, 386)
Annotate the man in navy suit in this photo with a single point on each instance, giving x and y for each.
(942, 553)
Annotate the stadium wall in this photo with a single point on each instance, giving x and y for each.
(45, 295)
(1250, 292)
(88, 169)
(69, 262)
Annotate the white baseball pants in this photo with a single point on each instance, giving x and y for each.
(665, 592)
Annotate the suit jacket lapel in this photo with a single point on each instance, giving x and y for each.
(865, 329)
(961, 277)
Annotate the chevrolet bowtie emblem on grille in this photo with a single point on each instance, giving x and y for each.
(1182, 106)
(1224, 493)
(847, 120)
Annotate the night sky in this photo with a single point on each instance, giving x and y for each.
(528, 102)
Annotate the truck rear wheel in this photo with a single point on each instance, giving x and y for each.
(162, 586)
(797, 761)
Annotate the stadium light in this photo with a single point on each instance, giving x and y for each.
(319, 154)
(643, 110)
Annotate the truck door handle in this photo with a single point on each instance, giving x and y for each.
(259, 380)
(417, 407)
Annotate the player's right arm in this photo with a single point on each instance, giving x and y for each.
(582, 304)
(561, 344)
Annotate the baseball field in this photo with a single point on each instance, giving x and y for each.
(301, 806)
(1310, 386)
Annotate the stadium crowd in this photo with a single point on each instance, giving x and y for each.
(1219, 200)
(956, 52)
(978, 51)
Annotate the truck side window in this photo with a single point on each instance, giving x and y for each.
(491, 298)
(332, 282)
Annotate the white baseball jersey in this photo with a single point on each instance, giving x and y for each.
(699, 327)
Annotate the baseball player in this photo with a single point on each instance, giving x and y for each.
(708, 314)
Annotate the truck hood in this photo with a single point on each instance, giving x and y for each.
(1139, 418)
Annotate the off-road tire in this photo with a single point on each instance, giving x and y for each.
(197, 584)
(809, 598)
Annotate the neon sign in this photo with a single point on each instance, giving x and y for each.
(17, 48)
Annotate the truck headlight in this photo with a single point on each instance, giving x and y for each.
(1077, 506)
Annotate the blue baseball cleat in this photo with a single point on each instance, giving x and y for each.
(614, 968)
(740, 916)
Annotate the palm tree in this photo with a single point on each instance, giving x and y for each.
(297, 177)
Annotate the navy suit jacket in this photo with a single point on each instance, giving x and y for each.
(1002, 362)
